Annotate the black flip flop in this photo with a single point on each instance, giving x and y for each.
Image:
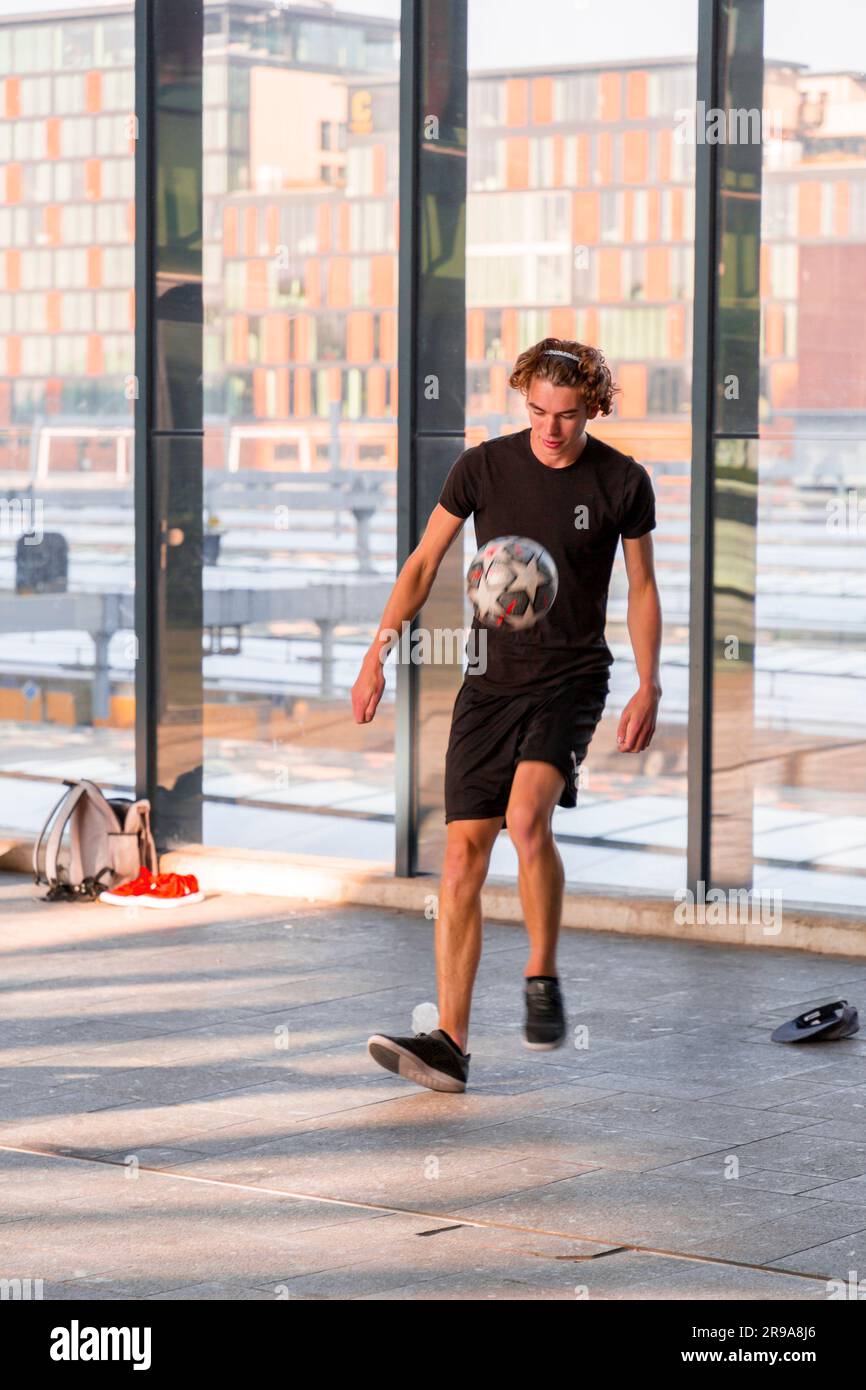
(835, 1018)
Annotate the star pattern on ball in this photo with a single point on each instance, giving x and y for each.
(486, 597)
(527, 577)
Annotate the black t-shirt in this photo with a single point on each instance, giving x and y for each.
(578, 513)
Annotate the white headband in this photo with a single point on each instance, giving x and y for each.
(558, 352)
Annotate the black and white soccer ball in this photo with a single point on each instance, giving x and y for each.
(512, 583)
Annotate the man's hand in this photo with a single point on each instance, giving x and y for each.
(638, 720)
(368, 688)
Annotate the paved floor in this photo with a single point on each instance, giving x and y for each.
(187, 1110)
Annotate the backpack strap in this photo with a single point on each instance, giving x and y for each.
(45, 871)
(149, 843)
(38, 847)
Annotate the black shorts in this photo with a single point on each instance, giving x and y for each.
(491, 734)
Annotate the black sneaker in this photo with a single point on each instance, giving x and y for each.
(544, 1028)
(430, 1059)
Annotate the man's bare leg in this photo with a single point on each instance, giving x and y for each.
(535, 791)
(458, 924)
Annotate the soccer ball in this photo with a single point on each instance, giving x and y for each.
(511, 583)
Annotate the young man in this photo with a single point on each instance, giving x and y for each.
(522, 722)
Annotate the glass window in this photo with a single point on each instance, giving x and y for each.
(516, 275)
(652, 156)
(277, 763)
(78, 311)
(36, 96)
(28, 43)
(634, 333)
(807, 781)
(360, 271)
(486, 103)
(77, 138)
(106, 135)
(118, 91)
(671, 90)
(115, 42)
(828, 208)
(681, 267)
(215, 178)
(616, 157)
(640, 215)
(778, 209)
(682, 161)
(77, 44)
(633, 265)
(486, 162)
(575, 97)
(570, 161)
(118, 178)
(359, 171)
(553, 285)
(541, 162)
(215, 128)
(783, 271)
(215, 83)
(36, 180)
(612, 210)
(118, 265)
(111, 222)
(666, 391)
(68, 94)
(37, 357)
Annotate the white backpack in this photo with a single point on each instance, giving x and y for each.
(109, 841)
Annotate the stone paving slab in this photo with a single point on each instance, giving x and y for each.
(431, 1178)
(679, 1281)
(216, 1129)
(787, 1237)
(835, 1259)
(715, 1166)
(811, 1155)
(641, 1208)
(787, 1093)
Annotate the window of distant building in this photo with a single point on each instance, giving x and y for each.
(486, 102)
(665, 391)
(575, 97)
(612, 217)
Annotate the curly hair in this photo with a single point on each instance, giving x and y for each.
(590, 373)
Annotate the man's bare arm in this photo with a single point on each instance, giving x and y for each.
(638, 720)
(408, 596)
